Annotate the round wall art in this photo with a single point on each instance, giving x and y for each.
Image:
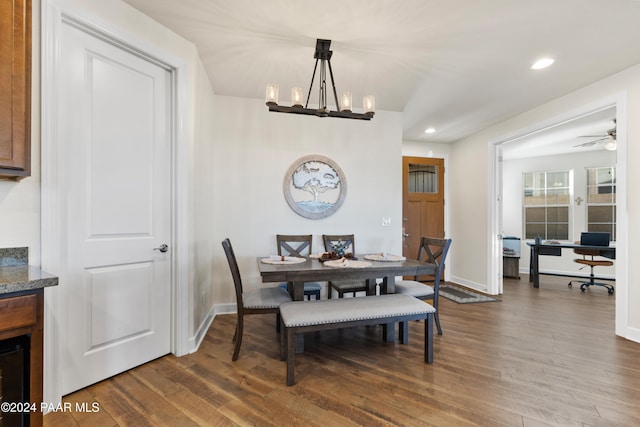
(315, 187)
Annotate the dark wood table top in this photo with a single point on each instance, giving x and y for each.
(314, 270)
(568, 245)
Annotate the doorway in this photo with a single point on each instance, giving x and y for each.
(422, 202)
(496, 226)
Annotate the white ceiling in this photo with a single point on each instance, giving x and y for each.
(564, 138)
(456, 65)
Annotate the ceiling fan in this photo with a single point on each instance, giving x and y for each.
(609, 139)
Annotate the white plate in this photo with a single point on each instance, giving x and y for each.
(385, 257)
(347, 263)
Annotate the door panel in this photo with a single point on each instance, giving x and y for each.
(130, 294)
(423, 201)
(115, 156)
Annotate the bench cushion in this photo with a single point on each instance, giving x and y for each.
(305, 313)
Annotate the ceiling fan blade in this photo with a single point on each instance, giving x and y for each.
(590, 143)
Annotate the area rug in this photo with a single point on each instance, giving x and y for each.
(462, 295)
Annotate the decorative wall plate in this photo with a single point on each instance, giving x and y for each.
(315, 187)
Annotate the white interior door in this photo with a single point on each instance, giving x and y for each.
(115, 156)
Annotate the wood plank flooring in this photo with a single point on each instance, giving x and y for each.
(539, 357)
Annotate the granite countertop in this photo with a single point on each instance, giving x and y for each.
(17, 276)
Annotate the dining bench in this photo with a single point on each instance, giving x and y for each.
(298, 317)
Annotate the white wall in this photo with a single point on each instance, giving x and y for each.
(513, 172)
(202, 205)
(425, 149)
(253, 148)
(20, 201)
(470, 178)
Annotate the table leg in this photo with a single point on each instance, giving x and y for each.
(535, 273)
(531, 264)
(296, 289)
(389, 329)
(390, 284)
(371, 287)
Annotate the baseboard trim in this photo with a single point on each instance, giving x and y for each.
(196, 340)
(469, 284)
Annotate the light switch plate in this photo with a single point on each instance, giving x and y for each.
(386, 221)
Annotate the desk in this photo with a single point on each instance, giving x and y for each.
(555, 249)
(312, 270)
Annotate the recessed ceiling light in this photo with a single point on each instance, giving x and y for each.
(542, 63)
(429, 130)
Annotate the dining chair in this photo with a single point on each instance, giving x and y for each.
(334, 243)
(298, 246)
(433, 251)
(255, 301)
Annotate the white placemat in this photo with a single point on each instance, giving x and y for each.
(347, 263)
(315, 256)
(280, 261)
(385, 257)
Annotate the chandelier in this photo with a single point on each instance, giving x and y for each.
(322, 55)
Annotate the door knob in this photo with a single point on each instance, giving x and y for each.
(163, 248)
(405, 234)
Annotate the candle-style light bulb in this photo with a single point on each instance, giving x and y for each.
(272, 93)
(346, 102)
(369, 104)
(296, 97)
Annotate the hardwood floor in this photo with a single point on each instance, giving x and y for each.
(540, 357)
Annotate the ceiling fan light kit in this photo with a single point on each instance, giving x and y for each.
(323, 56)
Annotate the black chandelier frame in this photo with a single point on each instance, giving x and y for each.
(323, 56)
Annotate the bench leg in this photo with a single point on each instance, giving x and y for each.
(403, 331)
(428, 338)
(291, 355)
(388, 332)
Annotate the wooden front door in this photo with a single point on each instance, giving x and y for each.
(422, 201)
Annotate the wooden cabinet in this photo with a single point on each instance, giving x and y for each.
(511, 267)
(22, 313)
(15, 89)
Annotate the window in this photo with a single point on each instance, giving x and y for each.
(546, 204)
(601, 200)
(423, 178)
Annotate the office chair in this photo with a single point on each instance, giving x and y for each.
(588, 259)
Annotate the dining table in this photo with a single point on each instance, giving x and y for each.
(368, 267)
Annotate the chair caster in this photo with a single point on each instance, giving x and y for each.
(570, 285)
(582, 288)
(610, 291)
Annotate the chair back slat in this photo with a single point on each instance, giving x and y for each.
(294, 245)
(235, 273)
(434, 251)
(330, 240)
